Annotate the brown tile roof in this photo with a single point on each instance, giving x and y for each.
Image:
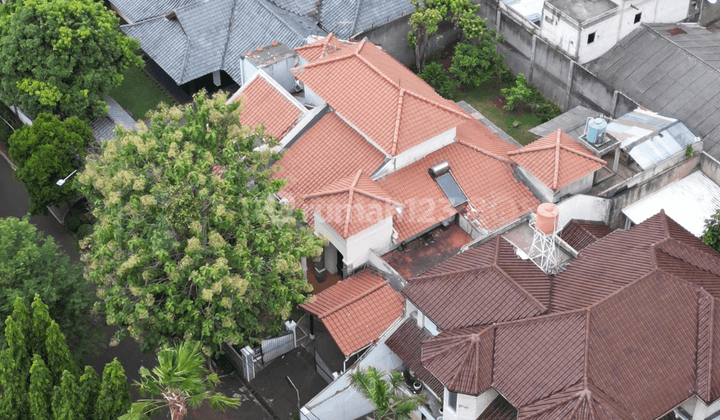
(581, 233)
(499, 409)
(633, 353)
(356, 311)
(406, 342)
(264, 104)
(479, 287)
(623, 256)
(389, 103)
(353, 204)
(556, 160)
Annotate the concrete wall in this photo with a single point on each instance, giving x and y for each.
(584, 207)
(469, 407)
(580, 186)
(377, 237)
(710, 167)
(392, 37)
(416, 153)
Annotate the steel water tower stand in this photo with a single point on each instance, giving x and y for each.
(543, 251)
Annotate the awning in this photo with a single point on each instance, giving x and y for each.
(689, 201)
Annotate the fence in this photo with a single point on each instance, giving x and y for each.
(322, 369)
(277, 346)
(252, 360)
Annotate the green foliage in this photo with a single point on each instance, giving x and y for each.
(429, 13)
(180, 252)
(520, 95)
(688, 151)
(711, 234)
(436, 76)
(390, 402)
(32, 263)
(180, 380)
(547, 111)
(62, 56)
(84, 231)
(48, 387)
(45, 152)
(114, 397)
(73, 223)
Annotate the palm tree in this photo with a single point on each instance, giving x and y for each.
(180, 380)
(389, 400)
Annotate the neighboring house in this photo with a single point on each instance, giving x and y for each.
(347, 18)
(189, 39)
(359, 161)
(671, 69)
(627, 331)
(586, 29)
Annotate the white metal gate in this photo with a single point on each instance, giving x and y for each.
(277, 346)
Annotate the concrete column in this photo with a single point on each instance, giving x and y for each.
(216, 78)
(569, 85)
(532, 60)
(420, 319)
(330, 255)
(303, 264)
(616, 160)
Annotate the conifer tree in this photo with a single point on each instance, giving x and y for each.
(114, 398)
(59, 357)
(40, 322)
(66, 398)
(40, 392)
(89, 390)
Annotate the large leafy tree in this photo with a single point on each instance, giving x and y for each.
(45, 385)
(62, 56)
(190, 242)
(180, 380)
(390, 402)
(425, 21)
(45, 152)
(711, 234)
(32, 263)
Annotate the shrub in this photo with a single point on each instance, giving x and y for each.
(547, 111)
(84, 231)
(73, 223)
(436, 76)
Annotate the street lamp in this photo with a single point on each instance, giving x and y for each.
(296, 390)
(60, 182)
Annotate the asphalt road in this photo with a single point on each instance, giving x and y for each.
(14, 201)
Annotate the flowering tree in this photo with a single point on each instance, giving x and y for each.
(190, 242)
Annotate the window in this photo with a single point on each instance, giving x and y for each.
(549, 19)
(452, 401)
(637, 17)
(591, 38)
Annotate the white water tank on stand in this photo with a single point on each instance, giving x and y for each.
(596, 130)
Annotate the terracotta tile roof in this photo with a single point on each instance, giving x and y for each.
(328, 151)
(499, 409)
(264, 104)
(496, 196)
(556, 160)
(634, 353)
(322, 48)
(480, 290)
(477, 136)
(356, 311)
(389, 104)
(353, 204)
(406, 342)
(580, 233)
(623, 256)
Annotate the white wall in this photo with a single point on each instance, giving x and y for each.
(562, 32)
(606, 36)
(584, 207)
(377, 237)
(280, 71)
(416, 153)
(325, 230)
(312, 98)
(580, 186)
(469, 407)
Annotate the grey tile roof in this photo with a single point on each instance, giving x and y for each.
(104, 128)
(299, 7)
(669, 74)
(140, 10)
(346, 18)
(571, 122)
(211, 35)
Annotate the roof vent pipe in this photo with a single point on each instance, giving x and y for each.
(439, 169)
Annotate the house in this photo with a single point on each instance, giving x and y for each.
(381, 158)
(668, 68)
(189, 39)
(586, 29)
(626, 331)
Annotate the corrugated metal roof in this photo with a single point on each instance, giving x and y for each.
(650, 138)
(689, 201)
(670, 74)
(206, 36)
(571, 122)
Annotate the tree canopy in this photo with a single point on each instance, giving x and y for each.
(190, 241)
(711, 234)
(62, 56)
(40, 379)
(427, 16)
(45, 152)
(33, 264)
(390, 402)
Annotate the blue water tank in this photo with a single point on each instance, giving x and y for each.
(596, 130)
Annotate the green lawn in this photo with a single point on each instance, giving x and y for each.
(139, 93)
(481, 98)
